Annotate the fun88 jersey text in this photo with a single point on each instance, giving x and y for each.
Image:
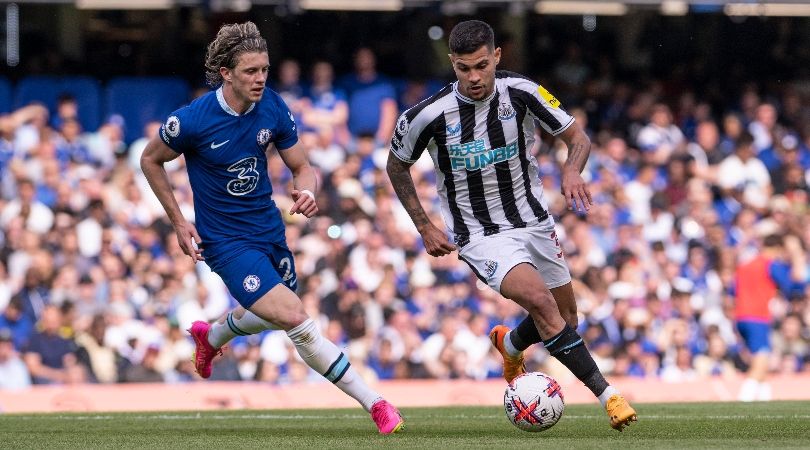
(487, 179)
(227, 167)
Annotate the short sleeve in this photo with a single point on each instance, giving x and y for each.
(411, 137)
(178, 130)
(543, 105)
(286, 133)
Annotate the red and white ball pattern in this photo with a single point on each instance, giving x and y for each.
(534, 402)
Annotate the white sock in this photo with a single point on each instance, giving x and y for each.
(764, 393)
(610, 391)
(509, 346)
(748, 391)
(329, 361)
(249, 323)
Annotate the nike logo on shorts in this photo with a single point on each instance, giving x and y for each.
(215, 146)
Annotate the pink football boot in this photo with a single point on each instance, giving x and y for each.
(387, 417)
(204, 353)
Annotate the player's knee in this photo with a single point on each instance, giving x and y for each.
(238, 312)
(292, 320)
(541, 305)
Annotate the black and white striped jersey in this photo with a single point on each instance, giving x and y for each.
(486, 177)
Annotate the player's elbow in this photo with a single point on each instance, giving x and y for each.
(581, 137)
(393, 166)
(302, 169)
(145, 162)
(148, 160)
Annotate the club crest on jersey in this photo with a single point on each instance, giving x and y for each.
(506, 111)
(172, 126)
(402, 125)
(263, 137)
(490, 267)
(251, 283)
(453, 130)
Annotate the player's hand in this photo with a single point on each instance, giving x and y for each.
(576, 192)
(436, 243)
(189, 240)
(304, 203)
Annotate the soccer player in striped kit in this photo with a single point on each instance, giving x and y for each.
(478, 130)
(225, 136)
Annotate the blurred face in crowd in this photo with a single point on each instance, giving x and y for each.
(717, 347)
(247, 80)
(289, 73)
(732, 126)
(67, 109)
(364, 60)
(322, 73)
(51, 320)
(766, 115)
(707, 135)
(476, 71)
(745, 151)
(661, 116)
(26, 192)
(71, 129)
(6, 350)
(616, 148)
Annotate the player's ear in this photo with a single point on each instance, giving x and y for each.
(497, 54)
(451, 58)
(225, 73)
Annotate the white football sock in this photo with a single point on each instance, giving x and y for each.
(249, 323)
(748, 391)
(764, 393)
(609, 391)
(329, 361)
(509, 346)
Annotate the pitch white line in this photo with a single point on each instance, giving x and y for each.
(359, 416)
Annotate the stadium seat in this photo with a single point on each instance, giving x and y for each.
(5, 95)
(142, 99)
(47, 89)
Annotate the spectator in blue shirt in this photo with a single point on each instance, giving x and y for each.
(51, 358)
(372, 98)
(20, 325)
(325, 106)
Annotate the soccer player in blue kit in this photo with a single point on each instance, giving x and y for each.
(225, 136)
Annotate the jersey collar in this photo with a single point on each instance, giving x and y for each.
(224, 105)
(463, 98)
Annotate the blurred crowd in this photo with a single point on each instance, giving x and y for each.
(94, 288)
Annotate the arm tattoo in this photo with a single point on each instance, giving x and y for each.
(400, 175)
(578, 152)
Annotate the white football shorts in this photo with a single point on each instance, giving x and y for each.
(492, 257)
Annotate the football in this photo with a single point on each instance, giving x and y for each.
(534, 402)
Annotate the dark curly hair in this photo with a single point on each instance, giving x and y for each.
(232, 40)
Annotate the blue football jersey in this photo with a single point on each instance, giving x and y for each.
(227, 167)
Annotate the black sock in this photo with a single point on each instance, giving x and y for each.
(569, 348)
(525, 334)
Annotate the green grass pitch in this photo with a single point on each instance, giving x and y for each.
(707, 425)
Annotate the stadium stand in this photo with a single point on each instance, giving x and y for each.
(5, 95)
(140, 100)
(47, 90)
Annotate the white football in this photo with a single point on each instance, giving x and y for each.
(534, 402)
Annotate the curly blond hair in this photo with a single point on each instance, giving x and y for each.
(232, 40)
